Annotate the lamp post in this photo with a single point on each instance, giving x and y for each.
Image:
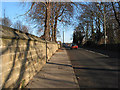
(105, 23)
(46, 50)
(46, 38)
(63, 36)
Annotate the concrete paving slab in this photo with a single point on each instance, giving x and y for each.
(57, 73)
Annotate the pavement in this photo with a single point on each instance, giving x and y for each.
(57, 73)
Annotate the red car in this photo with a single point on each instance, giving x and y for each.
(74, 46)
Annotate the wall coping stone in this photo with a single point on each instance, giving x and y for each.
(10, 33)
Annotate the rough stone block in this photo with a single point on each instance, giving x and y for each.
(22, 58)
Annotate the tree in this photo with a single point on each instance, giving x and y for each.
(25, 29)
(93, 14)
(46, 16)
(18, 25)
(6, 22)
(116, 12)
(63, 13)
(78, 34)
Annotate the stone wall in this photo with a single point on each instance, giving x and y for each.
(23, 55)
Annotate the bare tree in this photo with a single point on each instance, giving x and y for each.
(25, 29)
(46, 16)
(18, 25)
(6, 22)
(94, 14)
(116, 12)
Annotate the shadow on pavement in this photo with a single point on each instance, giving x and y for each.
(103, 69)
(59, 64)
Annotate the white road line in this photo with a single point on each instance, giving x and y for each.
(95, 52)
(101, 63)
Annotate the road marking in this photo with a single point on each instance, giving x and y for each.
(102, 63)
(95, 52)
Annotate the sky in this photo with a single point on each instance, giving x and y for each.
(13, 10)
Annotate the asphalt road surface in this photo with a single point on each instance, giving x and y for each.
(94, 70)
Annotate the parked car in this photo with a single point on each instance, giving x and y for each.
(74, 46)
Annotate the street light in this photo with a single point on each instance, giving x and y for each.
(63, 36)
(104, 21)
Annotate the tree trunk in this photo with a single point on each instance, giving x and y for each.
(52, 22)
(55, 25)
(87, 32)
(117, 19)
(92, 31)
(55, 28)
(47, 22)
(99, 26)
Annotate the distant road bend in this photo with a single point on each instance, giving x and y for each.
(94, 70)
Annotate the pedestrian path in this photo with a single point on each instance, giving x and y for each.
(57, 73)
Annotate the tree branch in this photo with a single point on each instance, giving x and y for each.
(115, 14)
(61, 13)
(27, 11)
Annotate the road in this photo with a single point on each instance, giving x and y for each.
(94, 70)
